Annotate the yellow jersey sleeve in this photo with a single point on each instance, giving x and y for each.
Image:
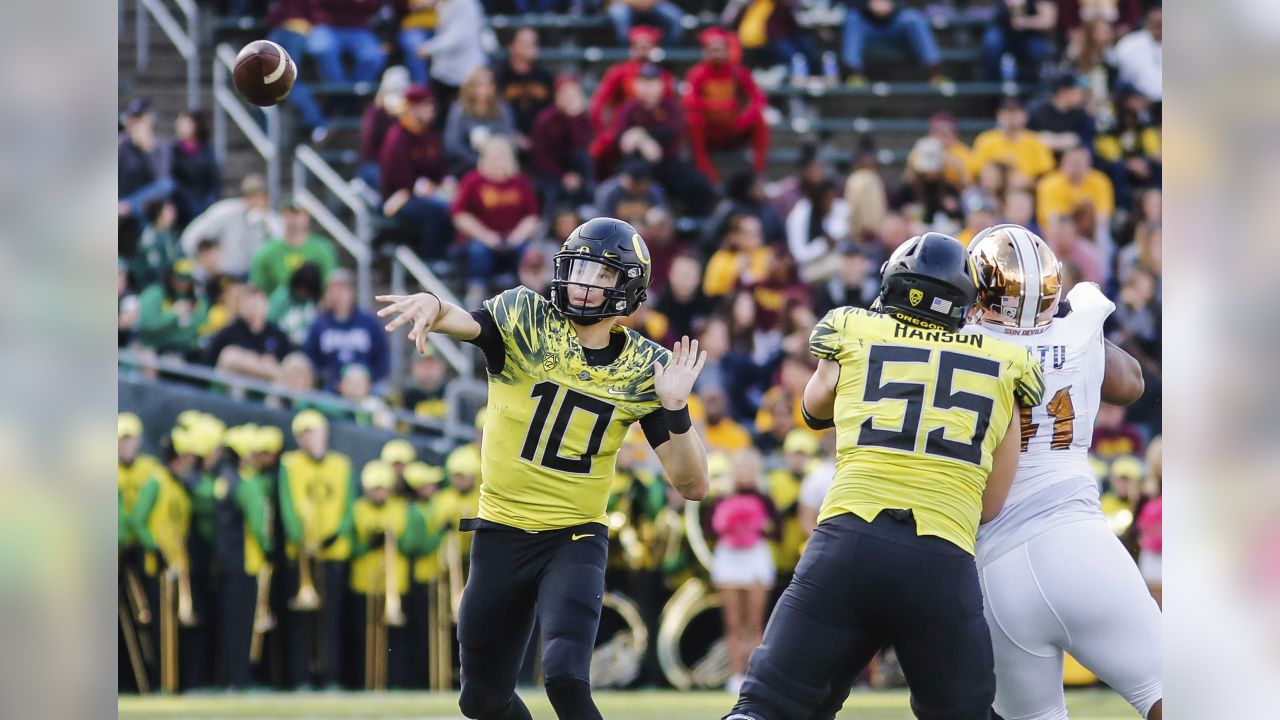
(826, 339)
(1028, 388)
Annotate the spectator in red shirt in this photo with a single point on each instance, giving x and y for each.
(616, 87)
(725, 107)
(559, 153)
(497, 211)
(381, 115)
(412, 166)
(342, 28)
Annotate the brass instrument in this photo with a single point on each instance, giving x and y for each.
(440, 645)
(137, 596)
(668, 536)
(380, 617)
(457, 579)
(710, 669)
(617, 661)
(263, 620)
(180, 569)
(633, 549)
(393, 613)
(168, 633)
(308, 598)
(693, 529)
(133, 647)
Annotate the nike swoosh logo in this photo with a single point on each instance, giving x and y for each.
(615, 391)
(579, 537)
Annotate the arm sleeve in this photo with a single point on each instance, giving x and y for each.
(414, 528)
(755, 98)
(489, 341)
(824, 341)
(142, 513)
(655, 428)
(152, 317)
(288, 513)
(1029, 388)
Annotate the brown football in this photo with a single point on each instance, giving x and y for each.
(264, 73)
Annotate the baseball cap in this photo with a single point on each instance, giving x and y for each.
(418, 94)
(417, 474)
(377, 474)
(183, 268)
(800, 441)
(309, 419)
(399, 450)
(128, 425)
(137, 107)
(395, 81)
(713, 34)
(1069, 80)
(269, 439)
(644, 33)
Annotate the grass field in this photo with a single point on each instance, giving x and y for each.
(875, 705)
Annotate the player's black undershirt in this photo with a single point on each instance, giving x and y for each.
(654, 425)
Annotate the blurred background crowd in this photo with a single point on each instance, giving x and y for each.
(771, 152)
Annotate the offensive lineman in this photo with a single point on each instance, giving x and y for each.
(565, 382)
(1054, 575)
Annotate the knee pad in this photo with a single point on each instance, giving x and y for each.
(481, 702)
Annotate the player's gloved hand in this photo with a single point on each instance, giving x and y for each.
(673, 381)
(421, 309)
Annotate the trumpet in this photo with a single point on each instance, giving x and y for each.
(180, 570)
(168, 634)
(263, 620)
(308, 598)
(392, 614)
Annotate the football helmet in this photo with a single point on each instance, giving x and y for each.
(1019, 277)
(594, 248)
(930, 282)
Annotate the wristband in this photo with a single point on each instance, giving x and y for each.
(678, 421)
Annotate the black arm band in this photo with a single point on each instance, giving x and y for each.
(678, 421)
(816, 423)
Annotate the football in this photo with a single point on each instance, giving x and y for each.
(264, 73)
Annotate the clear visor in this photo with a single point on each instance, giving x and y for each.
(586, 280)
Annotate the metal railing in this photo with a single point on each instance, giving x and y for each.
(226, 103)
(186, 41)
(406, 262)
(307, 164)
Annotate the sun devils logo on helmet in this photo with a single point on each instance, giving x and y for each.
(915, 296)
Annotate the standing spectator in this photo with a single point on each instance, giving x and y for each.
(417, 25)
(617, 84)
(524, 84)
(197, 178)
(497, 211)
(158, 248)
(1062, 122)
(251, 345)
(171, 313)
(291, 23)
(342, 27)
(276, 261)
(142, 171)
(240, 225)
(661, 14)
(1021, 29)
(477, 115)
(743, 571)
(295, 304)
(457, 48)
(682, 301)
(887, 24)
(412, 167)
(1061, 191)
(378, 119)
(1010, 144)
(560, 143)
(631, 193)
(343, 334)
(815, 228)
(1140, 55)
(725, 107)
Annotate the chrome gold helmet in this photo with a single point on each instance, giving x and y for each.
(1019, 277)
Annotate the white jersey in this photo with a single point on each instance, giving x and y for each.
(1054, 484)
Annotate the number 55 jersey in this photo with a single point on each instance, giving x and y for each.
(918, 414)
(1054, 484)
(557, 413)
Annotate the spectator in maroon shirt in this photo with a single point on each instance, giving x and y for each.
(342, 28)
(558, 156)
(497, 211)
(412, 166)
(381, 115)
(659, 231)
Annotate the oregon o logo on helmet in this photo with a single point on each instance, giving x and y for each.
(638, 246)
(915, 296)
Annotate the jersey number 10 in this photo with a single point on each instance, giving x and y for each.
(546, 393)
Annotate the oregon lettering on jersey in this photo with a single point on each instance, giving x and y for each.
(554, 423)
(918, 415)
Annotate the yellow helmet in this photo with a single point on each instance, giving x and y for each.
(269, 439)
(463, 461)
(399, 450)
(191, 418)
(718, 465)
(185, 440)
(377, 474)
(128, 425)
(1019, 277)
(800, 441)
(309, 419)
(242, 439)
(418, 474)
(1127, 466)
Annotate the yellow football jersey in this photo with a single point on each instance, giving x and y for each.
(170, 520)
(129, 481)
(554, 422)
(918, 414)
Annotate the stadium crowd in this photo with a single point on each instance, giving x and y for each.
(488, 160)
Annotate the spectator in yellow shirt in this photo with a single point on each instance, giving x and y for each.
(742, 257)
(1075, 182)
(955, 162)
(722, 432)
(1011, 143)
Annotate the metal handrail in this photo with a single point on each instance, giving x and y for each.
(405, 260)
(308, 163)
(186, 42)
(227, 103)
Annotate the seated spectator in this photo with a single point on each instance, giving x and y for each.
(291, 23)
(1066, 242)
(721, 432)
(926, 191)
(424, 393)
(457, 48)
(617, 85)
(772, 296)
(730, 369)
(1140, 55)
(525, 85)
(343, 334)
(744, 194)
(222, 292)
(379, 117)
(295, 304)
(417, 25)
(1062, 122)
(652, 126)
(1018, 208)
(276, 261)
(477, 115)
(342, 27)
(412, 165)
(682, 300)
(534, 270)
(1130, 145)
(885, 23)
(661, 14)
(127, 307)
(815, 228)
(659, 233)
(1135, 325)
(854, 284)
(170, 314)
(197, 177)
(251, 345)
(979, 216)
(295, 376)
(158, 247)
(1091, 53)
(560, 140)
(208, 261)
(1009, 143)
(775, 410)
(1075, 181)
(811, 170)
(1145, 253)
(142, 171)
(1022, 29)
(356, 387)
(725, 108)
(955, 159)
(496, 210)
(741, 260)
(991, 186)
(1113, 437)
(631, 193)
(240, 226)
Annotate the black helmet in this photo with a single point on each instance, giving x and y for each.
(929, 281)
(597, 244)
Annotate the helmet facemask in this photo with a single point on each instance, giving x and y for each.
(588, 288)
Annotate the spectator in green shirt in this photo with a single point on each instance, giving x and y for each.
(171, 313)
(295, 304)
(158, 247)
(276, 261)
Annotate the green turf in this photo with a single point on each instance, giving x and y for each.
(646, 705)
